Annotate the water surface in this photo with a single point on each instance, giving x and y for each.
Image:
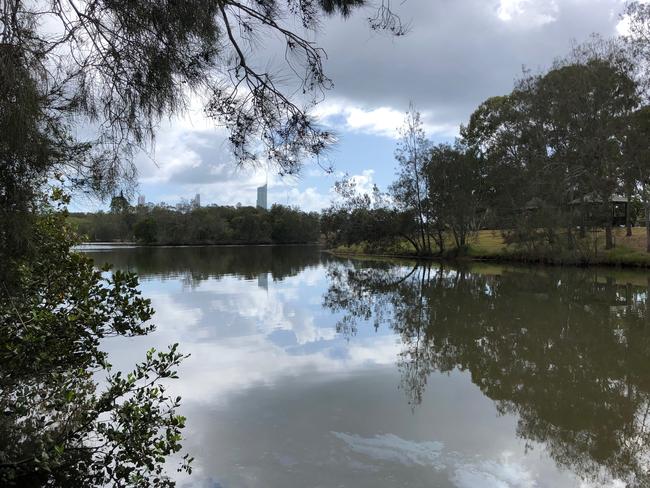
(310, 371)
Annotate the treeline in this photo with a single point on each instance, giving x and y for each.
(564, 155)
(163, 225)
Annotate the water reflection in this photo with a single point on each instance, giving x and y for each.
(197, 264)
(567, 352)
(306, 370)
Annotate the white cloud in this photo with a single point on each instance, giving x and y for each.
(528, 13)
(382, 121)
(623, 25)
(309, 199)
(364, 181)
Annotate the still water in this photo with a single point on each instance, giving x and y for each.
(311, 371)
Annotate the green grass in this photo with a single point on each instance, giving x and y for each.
(489, 245)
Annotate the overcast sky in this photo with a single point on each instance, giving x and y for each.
(457, 54)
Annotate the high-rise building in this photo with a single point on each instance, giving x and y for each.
(263, 281)
(141, 201)
(261, 196)
(196, 203)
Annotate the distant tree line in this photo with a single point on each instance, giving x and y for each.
(187, 225)
(560, 157)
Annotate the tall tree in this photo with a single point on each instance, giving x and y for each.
(637, 157)
(410, 189)
(552, 149)
(454, 198)
(585, 109)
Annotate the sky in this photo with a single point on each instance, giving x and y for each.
(456, 54)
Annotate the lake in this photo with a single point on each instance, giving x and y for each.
(312, 371)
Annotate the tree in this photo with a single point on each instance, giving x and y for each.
(453, 182)
(518, 190)
(410, 189)
(59, 427)
(146, 231)
(587, 105)
(122, 66)
(552, 150)
(637, 156)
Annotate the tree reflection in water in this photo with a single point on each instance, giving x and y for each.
(195, 264)
(565, 350)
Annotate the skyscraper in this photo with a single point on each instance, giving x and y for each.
(141, 201)
(261, 196)
(196, 203)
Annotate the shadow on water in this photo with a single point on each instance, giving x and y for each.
(567, 351)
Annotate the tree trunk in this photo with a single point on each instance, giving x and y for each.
(628, 220)
(647, 225)
(413, 243)
(609, 240)
(569, 237)
(609, 217)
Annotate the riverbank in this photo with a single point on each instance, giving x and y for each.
(489, 245)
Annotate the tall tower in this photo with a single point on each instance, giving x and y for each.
(197, 200)
(141, 201)
(261, 196)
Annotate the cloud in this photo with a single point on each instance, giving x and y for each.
(309, 199)
(457, 54)
(528, 12)
(382, 121)
(191, 160)
(364, 181)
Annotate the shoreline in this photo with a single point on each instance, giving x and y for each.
(489, 246)
(498, 259)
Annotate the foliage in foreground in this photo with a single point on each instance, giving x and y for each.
(62, 424)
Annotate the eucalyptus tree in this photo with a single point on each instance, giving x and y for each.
(637, 157)
(364, 217)
(410, 190)
(552, 149)
(511, 148)
(585, 111)
(454, 197)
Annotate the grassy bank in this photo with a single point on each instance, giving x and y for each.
(489, 245)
